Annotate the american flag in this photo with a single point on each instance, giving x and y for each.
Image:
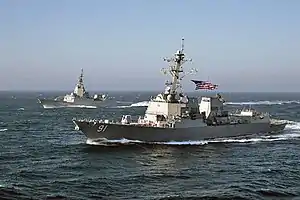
(204, 85)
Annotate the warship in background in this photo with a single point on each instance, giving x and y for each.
(78, 98)
(172, 116)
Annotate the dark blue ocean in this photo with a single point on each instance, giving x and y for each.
(42, 156)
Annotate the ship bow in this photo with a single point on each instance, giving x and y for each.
(278, 125)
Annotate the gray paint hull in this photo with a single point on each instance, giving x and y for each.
(154, 134)
(49, 103)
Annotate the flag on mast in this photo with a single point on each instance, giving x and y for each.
(204, 85)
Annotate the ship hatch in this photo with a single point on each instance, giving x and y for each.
(160, 118)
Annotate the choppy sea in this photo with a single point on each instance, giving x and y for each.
(42, 156)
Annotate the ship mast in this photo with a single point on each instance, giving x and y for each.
(80, 80)
(79, 88)
(175, 68)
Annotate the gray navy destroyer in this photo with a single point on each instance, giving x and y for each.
(79, 97)
(172, 116)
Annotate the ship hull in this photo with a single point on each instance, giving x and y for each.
(49, 103)
(155, 134)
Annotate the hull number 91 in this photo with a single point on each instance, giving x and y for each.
(101, 128)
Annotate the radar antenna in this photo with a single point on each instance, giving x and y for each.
(175, 69)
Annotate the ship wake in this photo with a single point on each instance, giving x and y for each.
(291, 132)
(138, 104)
(69, 106)
(276, 102)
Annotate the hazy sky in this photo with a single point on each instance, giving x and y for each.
(243, 45)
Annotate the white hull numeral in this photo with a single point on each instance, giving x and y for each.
(101, 128)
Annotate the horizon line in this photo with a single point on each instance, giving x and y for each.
(103, 91)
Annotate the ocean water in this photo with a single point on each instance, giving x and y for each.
(43, 157)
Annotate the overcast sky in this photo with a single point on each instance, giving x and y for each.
(241, 45)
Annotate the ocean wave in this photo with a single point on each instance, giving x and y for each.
(292, 125)
(277, 102)
(4, 129)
